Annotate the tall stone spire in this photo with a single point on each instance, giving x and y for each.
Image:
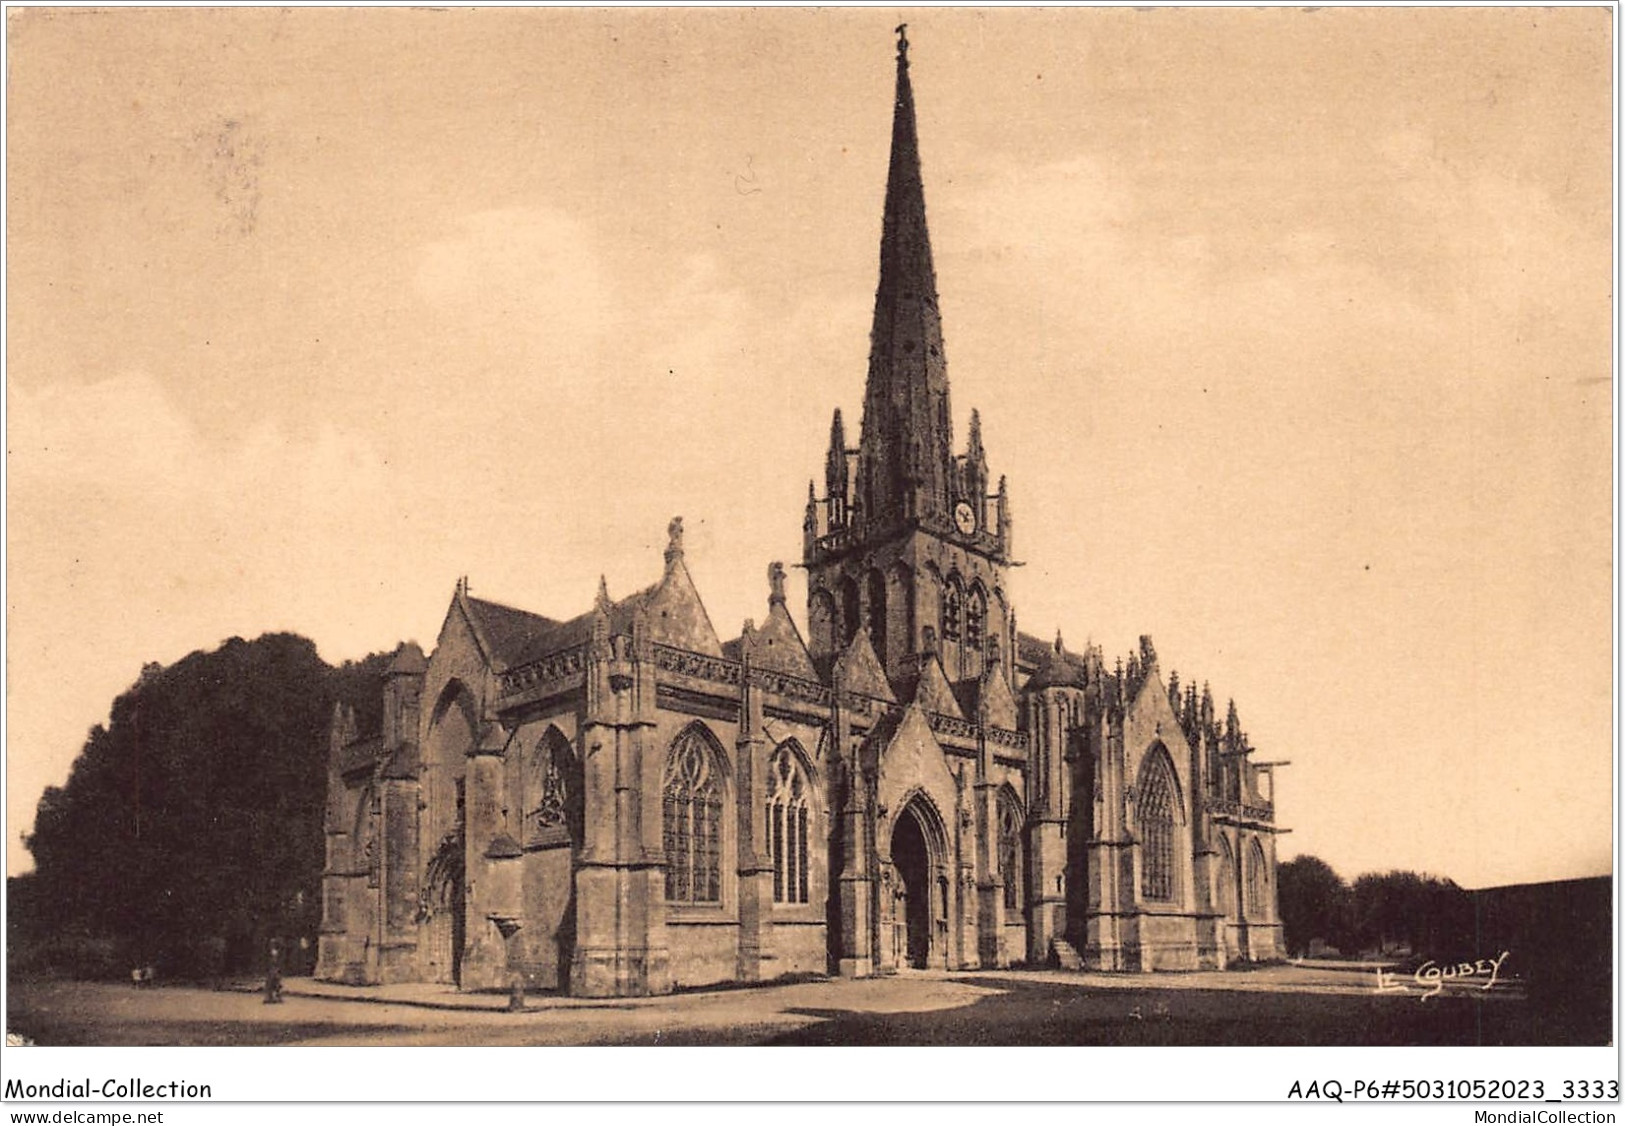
(905, 462)
(903, 514)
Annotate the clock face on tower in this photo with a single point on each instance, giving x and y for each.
(964, 518)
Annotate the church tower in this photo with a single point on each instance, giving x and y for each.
(908, 542)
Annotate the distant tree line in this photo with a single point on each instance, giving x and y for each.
(1380, 912)
(190, 829)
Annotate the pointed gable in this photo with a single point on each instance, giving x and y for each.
(1149, 716)
(997, 706)
(777, 645)
(932, 692)
(911, 759)
(675, 615)
(858, 669)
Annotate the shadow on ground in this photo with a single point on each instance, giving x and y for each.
(74, 1033)
(1039, 1013)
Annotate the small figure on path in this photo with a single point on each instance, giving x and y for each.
(273, 974)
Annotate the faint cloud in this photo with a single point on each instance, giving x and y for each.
(699, 325)
(127, 437)
(1049, 211)
(534, 262)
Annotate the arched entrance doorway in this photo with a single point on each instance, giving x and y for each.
(445, 915)
(919, 914)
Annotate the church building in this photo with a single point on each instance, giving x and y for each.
(626, 802)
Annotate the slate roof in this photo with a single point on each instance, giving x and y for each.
(517, 637)
(511, 633)
(1058, 670)
(1032, 650)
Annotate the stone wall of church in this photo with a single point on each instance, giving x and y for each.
(701, 953)
(547, 942)
(546, 804)
(1165, 941)
(799, 948)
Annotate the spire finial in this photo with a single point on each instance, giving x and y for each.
(674, 537)
(902, 42)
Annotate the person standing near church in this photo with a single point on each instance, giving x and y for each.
(273, 974)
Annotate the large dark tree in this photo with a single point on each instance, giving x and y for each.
(191, 825)
(1383, 911)
(1431, 916)
(1314, 904)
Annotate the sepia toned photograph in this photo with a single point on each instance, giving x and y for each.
(498, 552)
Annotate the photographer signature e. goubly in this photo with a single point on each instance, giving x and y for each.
(1430, 976)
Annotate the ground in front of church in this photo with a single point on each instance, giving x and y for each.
(1279, 1005)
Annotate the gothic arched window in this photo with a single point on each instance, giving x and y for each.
(1257, 882)
(1227, 880)
(824, 619)
(1010, 865)
(692, 820)
(951, 601)
(849, 610)
(975, 618)
(551, 791)
(1157, 835)
(877, 613)
(787, 825)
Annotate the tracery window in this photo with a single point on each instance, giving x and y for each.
(849, 610)
(1010, 866)
(1227, 880)
(975, 619)
(950, 611)
(877, 614)
(1257, 881)
(1156, 817)
(550, 790)
(692, 822)
(787, 818)
(550, 787)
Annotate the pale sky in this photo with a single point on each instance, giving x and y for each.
(1291, 331)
